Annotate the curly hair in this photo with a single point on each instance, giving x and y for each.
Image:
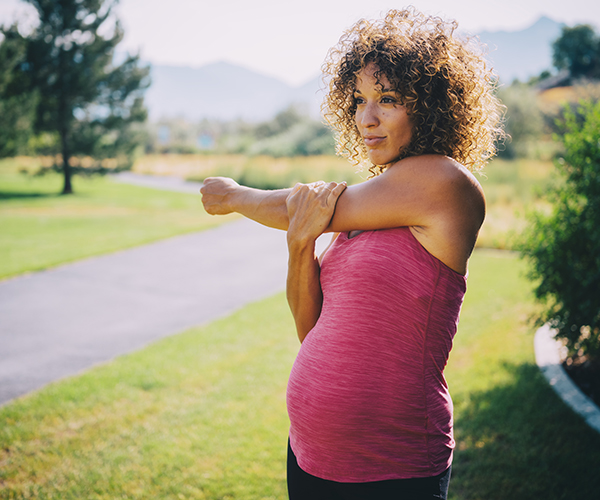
(444, 82)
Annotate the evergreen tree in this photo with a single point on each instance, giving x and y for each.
(17, 108)
(87, 100)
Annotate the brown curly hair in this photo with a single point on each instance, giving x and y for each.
(444, 82)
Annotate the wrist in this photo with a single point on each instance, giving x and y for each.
(236, 198)
(299, 243)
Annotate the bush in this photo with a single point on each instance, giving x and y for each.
(563, 247)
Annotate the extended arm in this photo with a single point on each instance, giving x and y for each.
(310, 209)
(221, 195)
(411, 193)
(434, 195)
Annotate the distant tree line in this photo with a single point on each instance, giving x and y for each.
(291, 132)
(577, 50)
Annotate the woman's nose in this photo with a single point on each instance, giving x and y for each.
(369, 116)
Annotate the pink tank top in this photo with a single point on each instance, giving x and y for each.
(367, 397)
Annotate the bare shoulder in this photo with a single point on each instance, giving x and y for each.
(444, 181)
(432, 193)
(456, 206)
(436, 171)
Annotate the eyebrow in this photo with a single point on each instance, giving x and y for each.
(382, 91)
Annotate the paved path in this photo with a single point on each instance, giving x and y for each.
(59, 322)
(548, 358)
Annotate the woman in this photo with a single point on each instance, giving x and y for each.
(370, 411)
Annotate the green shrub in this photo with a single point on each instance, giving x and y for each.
(563, 247)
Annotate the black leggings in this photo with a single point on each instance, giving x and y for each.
(303, 486)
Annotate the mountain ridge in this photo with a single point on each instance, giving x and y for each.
(524, 53)
(226, 91)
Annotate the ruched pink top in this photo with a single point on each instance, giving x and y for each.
(367, 398)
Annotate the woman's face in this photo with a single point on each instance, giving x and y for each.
(381, 119)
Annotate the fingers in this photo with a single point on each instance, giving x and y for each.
(326, 192)
(338, 189)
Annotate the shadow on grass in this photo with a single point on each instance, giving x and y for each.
(520, 441)
(9, 195)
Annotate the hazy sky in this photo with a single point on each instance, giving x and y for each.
(289, 39)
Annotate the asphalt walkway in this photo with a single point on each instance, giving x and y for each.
(61, 321)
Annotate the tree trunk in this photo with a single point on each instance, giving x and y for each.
(67, 188)
(64, 122)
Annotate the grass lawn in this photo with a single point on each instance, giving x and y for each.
(40, 229)
(201, 415)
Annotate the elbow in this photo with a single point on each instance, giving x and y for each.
(303, 329)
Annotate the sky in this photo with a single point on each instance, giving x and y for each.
(289, 39)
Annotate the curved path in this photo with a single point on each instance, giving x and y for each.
(59, 322)
(548, 358)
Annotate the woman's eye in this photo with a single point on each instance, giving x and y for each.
(388, 100)
(358, 100)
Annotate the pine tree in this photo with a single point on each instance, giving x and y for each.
(87, 100)
(17, 107)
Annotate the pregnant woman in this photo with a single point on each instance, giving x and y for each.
(369, 407)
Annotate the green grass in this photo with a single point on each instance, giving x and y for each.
(201, 415)
(41, 229)
(515, 438)
(197, 415)
(511, 188)
(262, 172)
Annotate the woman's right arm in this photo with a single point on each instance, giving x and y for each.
(310, 209)
(221, 195)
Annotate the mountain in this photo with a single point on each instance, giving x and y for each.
(227, 92)
(223, 91)
(522, 54)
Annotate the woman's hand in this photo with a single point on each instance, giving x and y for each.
(310, 208)
(216, 195)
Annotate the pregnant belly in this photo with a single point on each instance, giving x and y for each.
(332, 396)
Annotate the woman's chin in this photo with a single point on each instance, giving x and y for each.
(382, 160)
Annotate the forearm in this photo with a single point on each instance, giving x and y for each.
(266, 207)
(303, 287)
(222, 195)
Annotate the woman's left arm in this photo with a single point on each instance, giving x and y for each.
(310, 209)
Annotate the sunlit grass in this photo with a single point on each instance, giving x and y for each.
(198, 415)
(515, 438)
(202, 414)
(512, 188)
(39, 228)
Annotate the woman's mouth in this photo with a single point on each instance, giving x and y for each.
(372, 140)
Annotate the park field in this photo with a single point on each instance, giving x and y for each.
(41, 229)
(201, 414)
